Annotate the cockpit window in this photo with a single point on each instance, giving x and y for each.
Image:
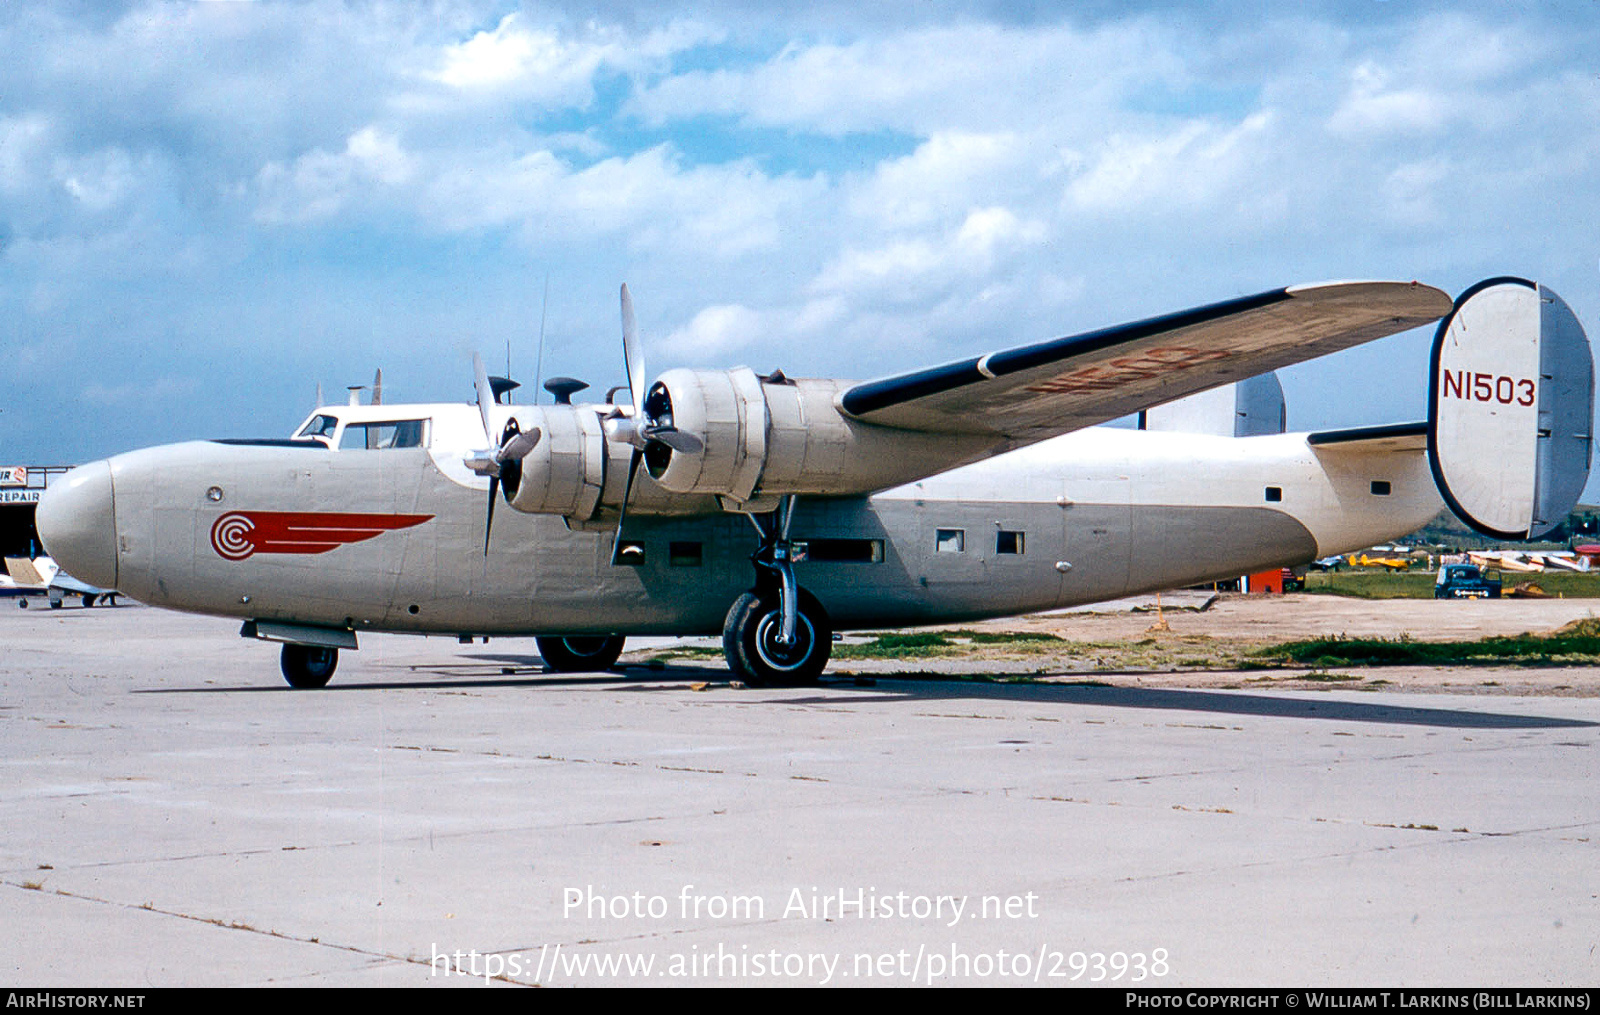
(320, 426)
(405, 433)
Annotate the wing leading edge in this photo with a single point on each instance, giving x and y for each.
(1038, 391)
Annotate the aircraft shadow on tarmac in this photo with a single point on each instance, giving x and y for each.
(528, 671)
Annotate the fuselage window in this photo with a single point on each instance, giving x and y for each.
(684, 554)
(1380, 488)
(630, 553)
(950, 540)
(1274, 494)
(405, 433)
(844, 551)
(1007, 542)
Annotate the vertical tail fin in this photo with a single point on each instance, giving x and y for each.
(1511, 410)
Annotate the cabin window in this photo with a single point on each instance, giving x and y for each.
(1274, 494)
(405, 433)
(843, 551)
(1007, 542)
(320, 426)
(630, 553)
(684, 554)
(950, 540)
(1380, 488)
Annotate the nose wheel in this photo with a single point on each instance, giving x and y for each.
(308, 666)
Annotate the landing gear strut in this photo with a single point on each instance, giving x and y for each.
(777, 634)
(308, 666)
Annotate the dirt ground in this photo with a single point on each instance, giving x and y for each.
(1201, 648)
(1298, 615)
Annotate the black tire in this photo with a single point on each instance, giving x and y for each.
(750, 642)
(308, 666)
(579, 653)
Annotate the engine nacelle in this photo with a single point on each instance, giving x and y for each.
(565, 473)
(764, 437)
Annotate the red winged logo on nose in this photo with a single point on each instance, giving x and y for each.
(238, 534)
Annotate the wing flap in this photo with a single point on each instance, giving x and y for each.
(1038, 391)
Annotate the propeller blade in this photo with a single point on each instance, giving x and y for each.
(632, 354)
(485, 394)
(488, 523)
(519, 446)
(622, 512)
(676, 439)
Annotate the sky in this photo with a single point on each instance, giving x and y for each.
(209, 209)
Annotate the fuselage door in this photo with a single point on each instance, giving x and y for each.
(1098, 520)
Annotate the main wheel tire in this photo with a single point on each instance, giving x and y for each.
(308, 666)
(750, 641)
(585, 654)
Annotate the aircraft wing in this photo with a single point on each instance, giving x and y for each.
(25, 573)
(67, 583)
(1038, 391)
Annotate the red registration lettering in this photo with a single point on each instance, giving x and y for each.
(1484, 387)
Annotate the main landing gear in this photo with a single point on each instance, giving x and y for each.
(777, 634)
(578, 654)
(308, 666)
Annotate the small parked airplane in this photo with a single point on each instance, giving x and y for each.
(41, 577)
(777, 510)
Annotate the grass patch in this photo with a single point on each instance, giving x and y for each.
(1372, 584)
(922, 644)
(1562, 648)
(686, 652)
(1418, 584)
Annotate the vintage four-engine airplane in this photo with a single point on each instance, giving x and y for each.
(776, 510)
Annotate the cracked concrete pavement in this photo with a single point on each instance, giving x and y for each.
(174, 815)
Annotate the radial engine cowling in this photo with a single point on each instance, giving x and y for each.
(565, 472)
(769, 436)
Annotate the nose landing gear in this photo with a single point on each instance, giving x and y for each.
(308, 666)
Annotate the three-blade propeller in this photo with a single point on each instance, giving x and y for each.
(649, 423)
(514, 445)
(643, 427)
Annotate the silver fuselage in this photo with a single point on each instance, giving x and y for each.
(1090, 516)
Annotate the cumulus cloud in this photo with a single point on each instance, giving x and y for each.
(838, 194)
(318, 184)
(713, 334)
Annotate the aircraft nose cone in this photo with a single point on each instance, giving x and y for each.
(77, 522)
